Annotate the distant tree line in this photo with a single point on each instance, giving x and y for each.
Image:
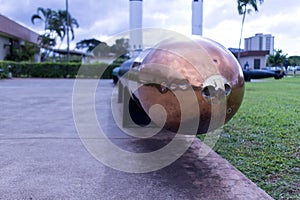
(294, 60)
(279, 59)
(98, 48)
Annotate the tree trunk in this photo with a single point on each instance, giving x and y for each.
(241, 35)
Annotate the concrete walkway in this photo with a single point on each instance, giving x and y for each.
(42, 156)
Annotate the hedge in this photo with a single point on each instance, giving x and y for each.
(58, 70)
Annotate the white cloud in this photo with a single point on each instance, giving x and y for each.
(222, 23)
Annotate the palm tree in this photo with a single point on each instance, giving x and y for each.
(45, 15)
(46, 41)
(243, 10)
(65, 22)
(56, 23)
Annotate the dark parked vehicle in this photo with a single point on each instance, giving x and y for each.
(121, 70)
(115, 74)
(259, 74)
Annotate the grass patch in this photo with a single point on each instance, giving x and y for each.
(263, 138)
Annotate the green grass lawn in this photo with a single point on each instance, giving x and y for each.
(263, 138)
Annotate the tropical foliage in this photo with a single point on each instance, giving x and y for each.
(278, 59)
(46, 41)
(98, 48)
(294, 60)
(44, 15)
(244, 7)
(58, 69)
(24, 52)
(56, 25)
(121, 46)
(88, 44)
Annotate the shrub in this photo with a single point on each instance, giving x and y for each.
(57, 70)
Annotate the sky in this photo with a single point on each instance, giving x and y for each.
(102, 19)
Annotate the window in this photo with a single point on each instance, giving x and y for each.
(260, 43)
(246, 44)
(268, 43)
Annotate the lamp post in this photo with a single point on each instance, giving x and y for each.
(68, 37)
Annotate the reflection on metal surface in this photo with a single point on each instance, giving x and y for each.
(203, 66)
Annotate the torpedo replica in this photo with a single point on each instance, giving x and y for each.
(188, 86)
(260, 74)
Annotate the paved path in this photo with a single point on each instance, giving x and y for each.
(42, 157)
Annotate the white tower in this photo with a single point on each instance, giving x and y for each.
(136, 16)
(197, 17)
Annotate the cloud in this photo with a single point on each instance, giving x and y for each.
(216, 12)
(102, 19)
(285, 25)
(88, 12)
(22, 11)
(164, 14)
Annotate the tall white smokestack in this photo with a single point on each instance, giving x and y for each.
(197, 17)
(136, 16)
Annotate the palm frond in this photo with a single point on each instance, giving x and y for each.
(34, 17)
(253, 4)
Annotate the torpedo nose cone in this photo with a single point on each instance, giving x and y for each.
(199, 84)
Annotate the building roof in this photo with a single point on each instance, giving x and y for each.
(252, 53)
(12, 29)
(233, 50)
(72, 52)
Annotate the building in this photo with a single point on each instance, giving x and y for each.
(14, 34)
(254, 59)
(260, 42)
(256, 51)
